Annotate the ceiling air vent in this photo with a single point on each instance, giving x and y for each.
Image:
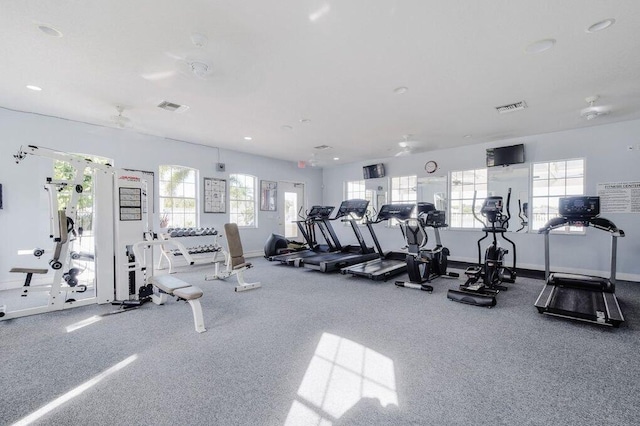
(322, 147)
(170, 106)
(512, 107)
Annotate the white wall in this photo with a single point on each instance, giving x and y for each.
(607, 159)
(24, 220)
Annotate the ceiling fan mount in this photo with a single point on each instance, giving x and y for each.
(120, 120)
(594, 111)
(407, 146)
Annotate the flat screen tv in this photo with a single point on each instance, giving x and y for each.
(505, 155)
(373, 171)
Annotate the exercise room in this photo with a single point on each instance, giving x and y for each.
(317, 213)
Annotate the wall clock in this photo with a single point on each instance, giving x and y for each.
(431, 166)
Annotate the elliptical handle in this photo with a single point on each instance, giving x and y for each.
(506, 223)
(473, 208)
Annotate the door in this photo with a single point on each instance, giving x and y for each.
(290, 203)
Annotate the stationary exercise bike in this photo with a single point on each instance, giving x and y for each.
(485, 280)
(423, 264)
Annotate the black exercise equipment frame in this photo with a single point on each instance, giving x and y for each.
(486, 279)
(575, 296)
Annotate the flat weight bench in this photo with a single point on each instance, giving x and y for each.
(169, 285)
(29, 272)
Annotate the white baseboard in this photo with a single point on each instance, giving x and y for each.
(620, 275)
(254, 253)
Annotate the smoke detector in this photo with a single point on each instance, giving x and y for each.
(198, 39)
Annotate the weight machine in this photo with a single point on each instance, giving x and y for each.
(121, 219)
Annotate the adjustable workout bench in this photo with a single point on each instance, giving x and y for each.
(236, 264)
(169, 285)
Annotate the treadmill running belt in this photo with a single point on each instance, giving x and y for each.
(577, 302)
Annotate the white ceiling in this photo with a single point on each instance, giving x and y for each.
(335, 63)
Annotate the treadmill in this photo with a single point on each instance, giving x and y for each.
(318, 217)
(581, 297)
(349, 211)
(388, 264)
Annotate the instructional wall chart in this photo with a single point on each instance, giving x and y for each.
(215, 195)
(619, 197)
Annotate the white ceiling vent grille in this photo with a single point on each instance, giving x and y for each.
(322, 147)
(170, 106)
(512, 107)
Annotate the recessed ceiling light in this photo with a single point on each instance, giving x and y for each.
(305, 121)
(602, 25)
(286, 127)
(403, 144)
(540, 46)
(467, 136)
(35, 88)
(336, 158)
(50, 31)
(247, 138)
(400, 90)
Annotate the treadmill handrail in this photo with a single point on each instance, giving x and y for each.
(597, 222)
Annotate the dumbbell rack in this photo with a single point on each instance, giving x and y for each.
(173, 250)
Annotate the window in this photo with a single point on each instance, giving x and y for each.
(356, 189)
(178, 197)
(404, 189)
(550, 182)
(242, 198)
(65, 172)
(463, 186)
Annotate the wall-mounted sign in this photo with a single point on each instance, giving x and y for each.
(619, 197)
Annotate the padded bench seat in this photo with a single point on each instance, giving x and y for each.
(188, 293)
(168, 283)
(29, 270)
(174, 286)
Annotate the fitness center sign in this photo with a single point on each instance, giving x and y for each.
(619, 197)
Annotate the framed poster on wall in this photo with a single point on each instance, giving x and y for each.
(215, 195)
(268, 195)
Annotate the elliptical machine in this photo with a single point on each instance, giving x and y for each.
(424, 265)
(485, 280)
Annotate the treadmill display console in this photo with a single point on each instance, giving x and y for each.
(425, 207)
(397, 211)
(583, 207)
(320, 211)
(355, 207)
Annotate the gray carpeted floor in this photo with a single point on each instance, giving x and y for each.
(315, 349)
